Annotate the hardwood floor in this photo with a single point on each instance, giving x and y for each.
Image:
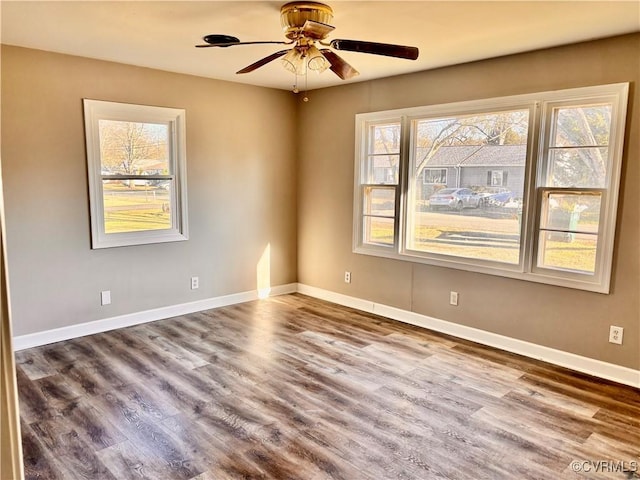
(296, 388)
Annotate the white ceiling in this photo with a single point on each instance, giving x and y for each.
(162, 34)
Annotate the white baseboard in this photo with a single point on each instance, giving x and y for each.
(74, 331)
(597, 368)
(579, 363)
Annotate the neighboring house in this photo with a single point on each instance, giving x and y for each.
(152, 166)
(476, 167)
(471, 166)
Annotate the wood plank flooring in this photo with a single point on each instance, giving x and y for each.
(296, 388)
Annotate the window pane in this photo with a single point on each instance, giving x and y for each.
(379, 201)
(582, 126)
(382, 169)
(134, 206)
(572, 212)
(468, 234)
(568, 233)
(378, 230)
(499, 128)
(480, 160)
(131, 148)
(578, 167)
(384, 138)
(568, 251)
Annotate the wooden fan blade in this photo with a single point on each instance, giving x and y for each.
(316, 30)
(386, 49)
(231, 44)
(219, 40)
(263, 61)
(338, 65)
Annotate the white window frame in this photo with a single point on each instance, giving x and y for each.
(174, 119)
(616, 95)
(541, 106)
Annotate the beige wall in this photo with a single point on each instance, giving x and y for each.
(241, 190)
(560, 318)
(242, 172)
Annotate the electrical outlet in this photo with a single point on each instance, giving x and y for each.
(105, 297)
(615, 334)
(453, 298)
(195, 283)
(347, 277)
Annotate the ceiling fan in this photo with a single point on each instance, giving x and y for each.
(305, 25)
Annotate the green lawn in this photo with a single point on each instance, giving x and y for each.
(578, 254)
(136, 208)
(136, 220)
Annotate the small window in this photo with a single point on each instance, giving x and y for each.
(435, 176)
(137, 179)
(497, 178)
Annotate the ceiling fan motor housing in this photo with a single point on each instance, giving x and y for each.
(293, 15)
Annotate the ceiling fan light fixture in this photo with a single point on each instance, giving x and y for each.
(295, 62)
(307, 24)
(316, 61)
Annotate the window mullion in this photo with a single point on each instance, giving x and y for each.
(530, 212)
(137, 177)
(401, 195)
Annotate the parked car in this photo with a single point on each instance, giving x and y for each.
(455, 198)
(496, 196)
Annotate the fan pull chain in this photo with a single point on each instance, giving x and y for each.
(306, 87)
(296, 90)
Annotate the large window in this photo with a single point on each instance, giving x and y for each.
(136, 165)
(523, 186)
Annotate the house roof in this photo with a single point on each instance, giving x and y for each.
(449, 156)
(480, 156)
